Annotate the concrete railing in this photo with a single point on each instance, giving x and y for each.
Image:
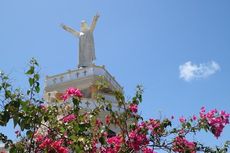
(81, 73)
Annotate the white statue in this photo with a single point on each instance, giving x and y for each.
(86, 42)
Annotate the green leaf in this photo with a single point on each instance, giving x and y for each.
(46, 118)
(29, 133)
(62, 129)
(24, 105)
(28, 92)
(5, 85)
(13, 150)
(24, 124)
(81, 140)
(2, 119)
(6, 116)
(102, 140)
(7, 94)
(30, 71)
(188, 125)
(73, 137)
(37, 88)
(31, 81)
(77, 149)
(33, 61)
(36, 76)
(15, 120)
(16, 104)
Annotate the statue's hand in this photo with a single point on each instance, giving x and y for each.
(93, 24)
(63, 26)
(97, 15)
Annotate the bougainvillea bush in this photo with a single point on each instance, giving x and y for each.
(66, 127)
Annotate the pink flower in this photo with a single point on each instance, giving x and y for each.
(182, 119)
(98, 122)
(194, 117)
(57, 145)
(62, 150)
(64, 97)
(107, 150)
(45, 143)
(181, 132)
(154, 126)
(202, 109)
(18, 133)
(107, 119)
(51, 145)
(116, 141)
(147, 150)
(71, 92)
(74, 92)
(68, 118)
(38, 137)
(216, 120)
(181, 145)
(43, 107)
(137, 140)
(133, 108)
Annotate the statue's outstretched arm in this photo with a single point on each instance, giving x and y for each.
(93, 25)
(74, 32)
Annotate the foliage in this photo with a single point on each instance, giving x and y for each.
(67, 126)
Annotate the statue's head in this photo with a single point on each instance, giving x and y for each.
(84, 25)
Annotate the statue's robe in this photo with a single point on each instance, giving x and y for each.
(86, 49)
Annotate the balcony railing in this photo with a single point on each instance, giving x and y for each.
(81, 73)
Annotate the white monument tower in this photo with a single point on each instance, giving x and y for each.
(86, 75)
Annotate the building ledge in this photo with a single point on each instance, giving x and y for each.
(80, 74)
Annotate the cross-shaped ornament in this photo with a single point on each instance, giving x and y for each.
(87, 103)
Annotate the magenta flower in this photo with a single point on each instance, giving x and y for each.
(133, 108)
(137, 140)
(57, 145)
(216, 120)
(68, 118)
(18, 133)
(182, 145)
(71, 92)
(148, 150)
(45, 143)
(194, 117)
(182, 119)
(107, 119)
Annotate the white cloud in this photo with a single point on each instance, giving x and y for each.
(190, 71)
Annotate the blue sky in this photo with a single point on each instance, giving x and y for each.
(140, 42)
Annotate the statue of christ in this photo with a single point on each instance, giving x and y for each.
(86, 42)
